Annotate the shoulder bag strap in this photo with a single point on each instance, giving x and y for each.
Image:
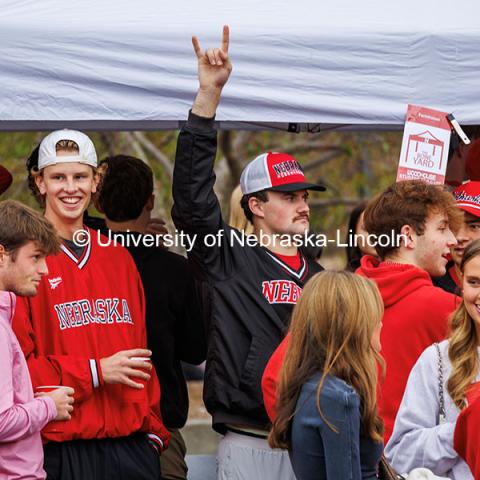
(441, 413)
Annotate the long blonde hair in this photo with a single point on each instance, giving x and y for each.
(331, 331)
(237, 217)
(463, 343)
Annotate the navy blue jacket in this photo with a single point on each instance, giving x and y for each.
(319, 453)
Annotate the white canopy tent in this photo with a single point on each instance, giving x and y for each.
(103, 64)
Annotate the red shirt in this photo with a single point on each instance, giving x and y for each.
(293, 261)
(466, 438)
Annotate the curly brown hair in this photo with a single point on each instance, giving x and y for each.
(408, 203)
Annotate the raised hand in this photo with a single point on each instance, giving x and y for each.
(214, 68)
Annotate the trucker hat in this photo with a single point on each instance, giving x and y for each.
(47, 153)
(5, 179)
(467, 197)
(275, 171)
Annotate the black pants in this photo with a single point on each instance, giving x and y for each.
(124, 458)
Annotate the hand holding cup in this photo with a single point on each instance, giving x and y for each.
(62, 396)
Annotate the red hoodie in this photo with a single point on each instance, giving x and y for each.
(416, 315)
(270, 378)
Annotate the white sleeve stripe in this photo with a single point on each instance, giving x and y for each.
(94, 372)
(155, 438)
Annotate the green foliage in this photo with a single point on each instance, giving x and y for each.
(364, 164)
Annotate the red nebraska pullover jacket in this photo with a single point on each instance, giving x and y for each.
(86, 309)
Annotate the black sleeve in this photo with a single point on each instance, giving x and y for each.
(196, 210)
(188, 310)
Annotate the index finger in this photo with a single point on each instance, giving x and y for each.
(138, 352)
(196, 47)
(225, 38)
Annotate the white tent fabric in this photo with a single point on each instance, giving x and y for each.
(104, 64)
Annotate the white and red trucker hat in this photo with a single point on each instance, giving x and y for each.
(47, 153)
(275, 171)
(467, 197)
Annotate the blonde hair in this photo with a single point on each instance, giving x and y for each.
(331, 331)
(67, 146)
(237, 218)
(463, 343)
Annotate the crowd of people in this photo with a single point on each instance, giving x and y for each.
(310, 373)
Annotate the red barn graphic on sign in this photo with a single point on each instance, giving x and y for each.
(425, 150)
(424, 153)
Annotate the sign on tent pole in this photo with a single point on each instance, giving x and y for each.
(426, 139)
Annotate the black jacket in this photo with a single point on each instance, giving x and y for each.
(446, 282)
(174, 318)
(252, 292)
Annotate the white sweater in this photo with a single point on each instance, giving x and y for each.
(418, 440)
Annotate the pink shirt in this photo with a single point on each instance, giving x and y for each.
(21, 415)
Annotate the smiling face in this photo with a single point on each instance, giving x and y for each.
(21, 273)
(68, 189)
(432, 248)
(467, 233)
(283, 213)
(471, 290)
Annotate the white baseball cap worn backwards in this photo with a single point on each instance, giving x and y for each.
(47, 153)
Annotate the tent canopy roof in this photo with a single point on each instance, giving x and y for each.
(100, 64)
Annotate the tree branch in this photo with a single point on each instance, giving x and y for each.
(155, 152)
(332, 202)
(225, 141)
(322, 160)
(304, 146)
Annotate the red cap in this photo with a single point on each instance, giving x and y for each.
(467, 197)
(5, 179)
(275, 171)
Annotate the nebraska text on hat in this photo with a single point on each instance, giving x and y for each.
(288, 167)
(465, 197)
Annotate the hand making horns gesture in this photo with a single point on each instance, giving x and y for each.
(214, 66)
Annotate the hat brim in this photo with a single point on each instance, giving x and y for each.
(294, 187)
(5, 179)
(474, 210)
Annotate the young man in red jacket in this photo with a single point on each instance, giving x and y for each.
(421, 217)
(86, 329)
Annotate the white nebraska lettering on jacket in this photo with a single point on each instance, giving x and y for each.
(281, 291)
(83, 312)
